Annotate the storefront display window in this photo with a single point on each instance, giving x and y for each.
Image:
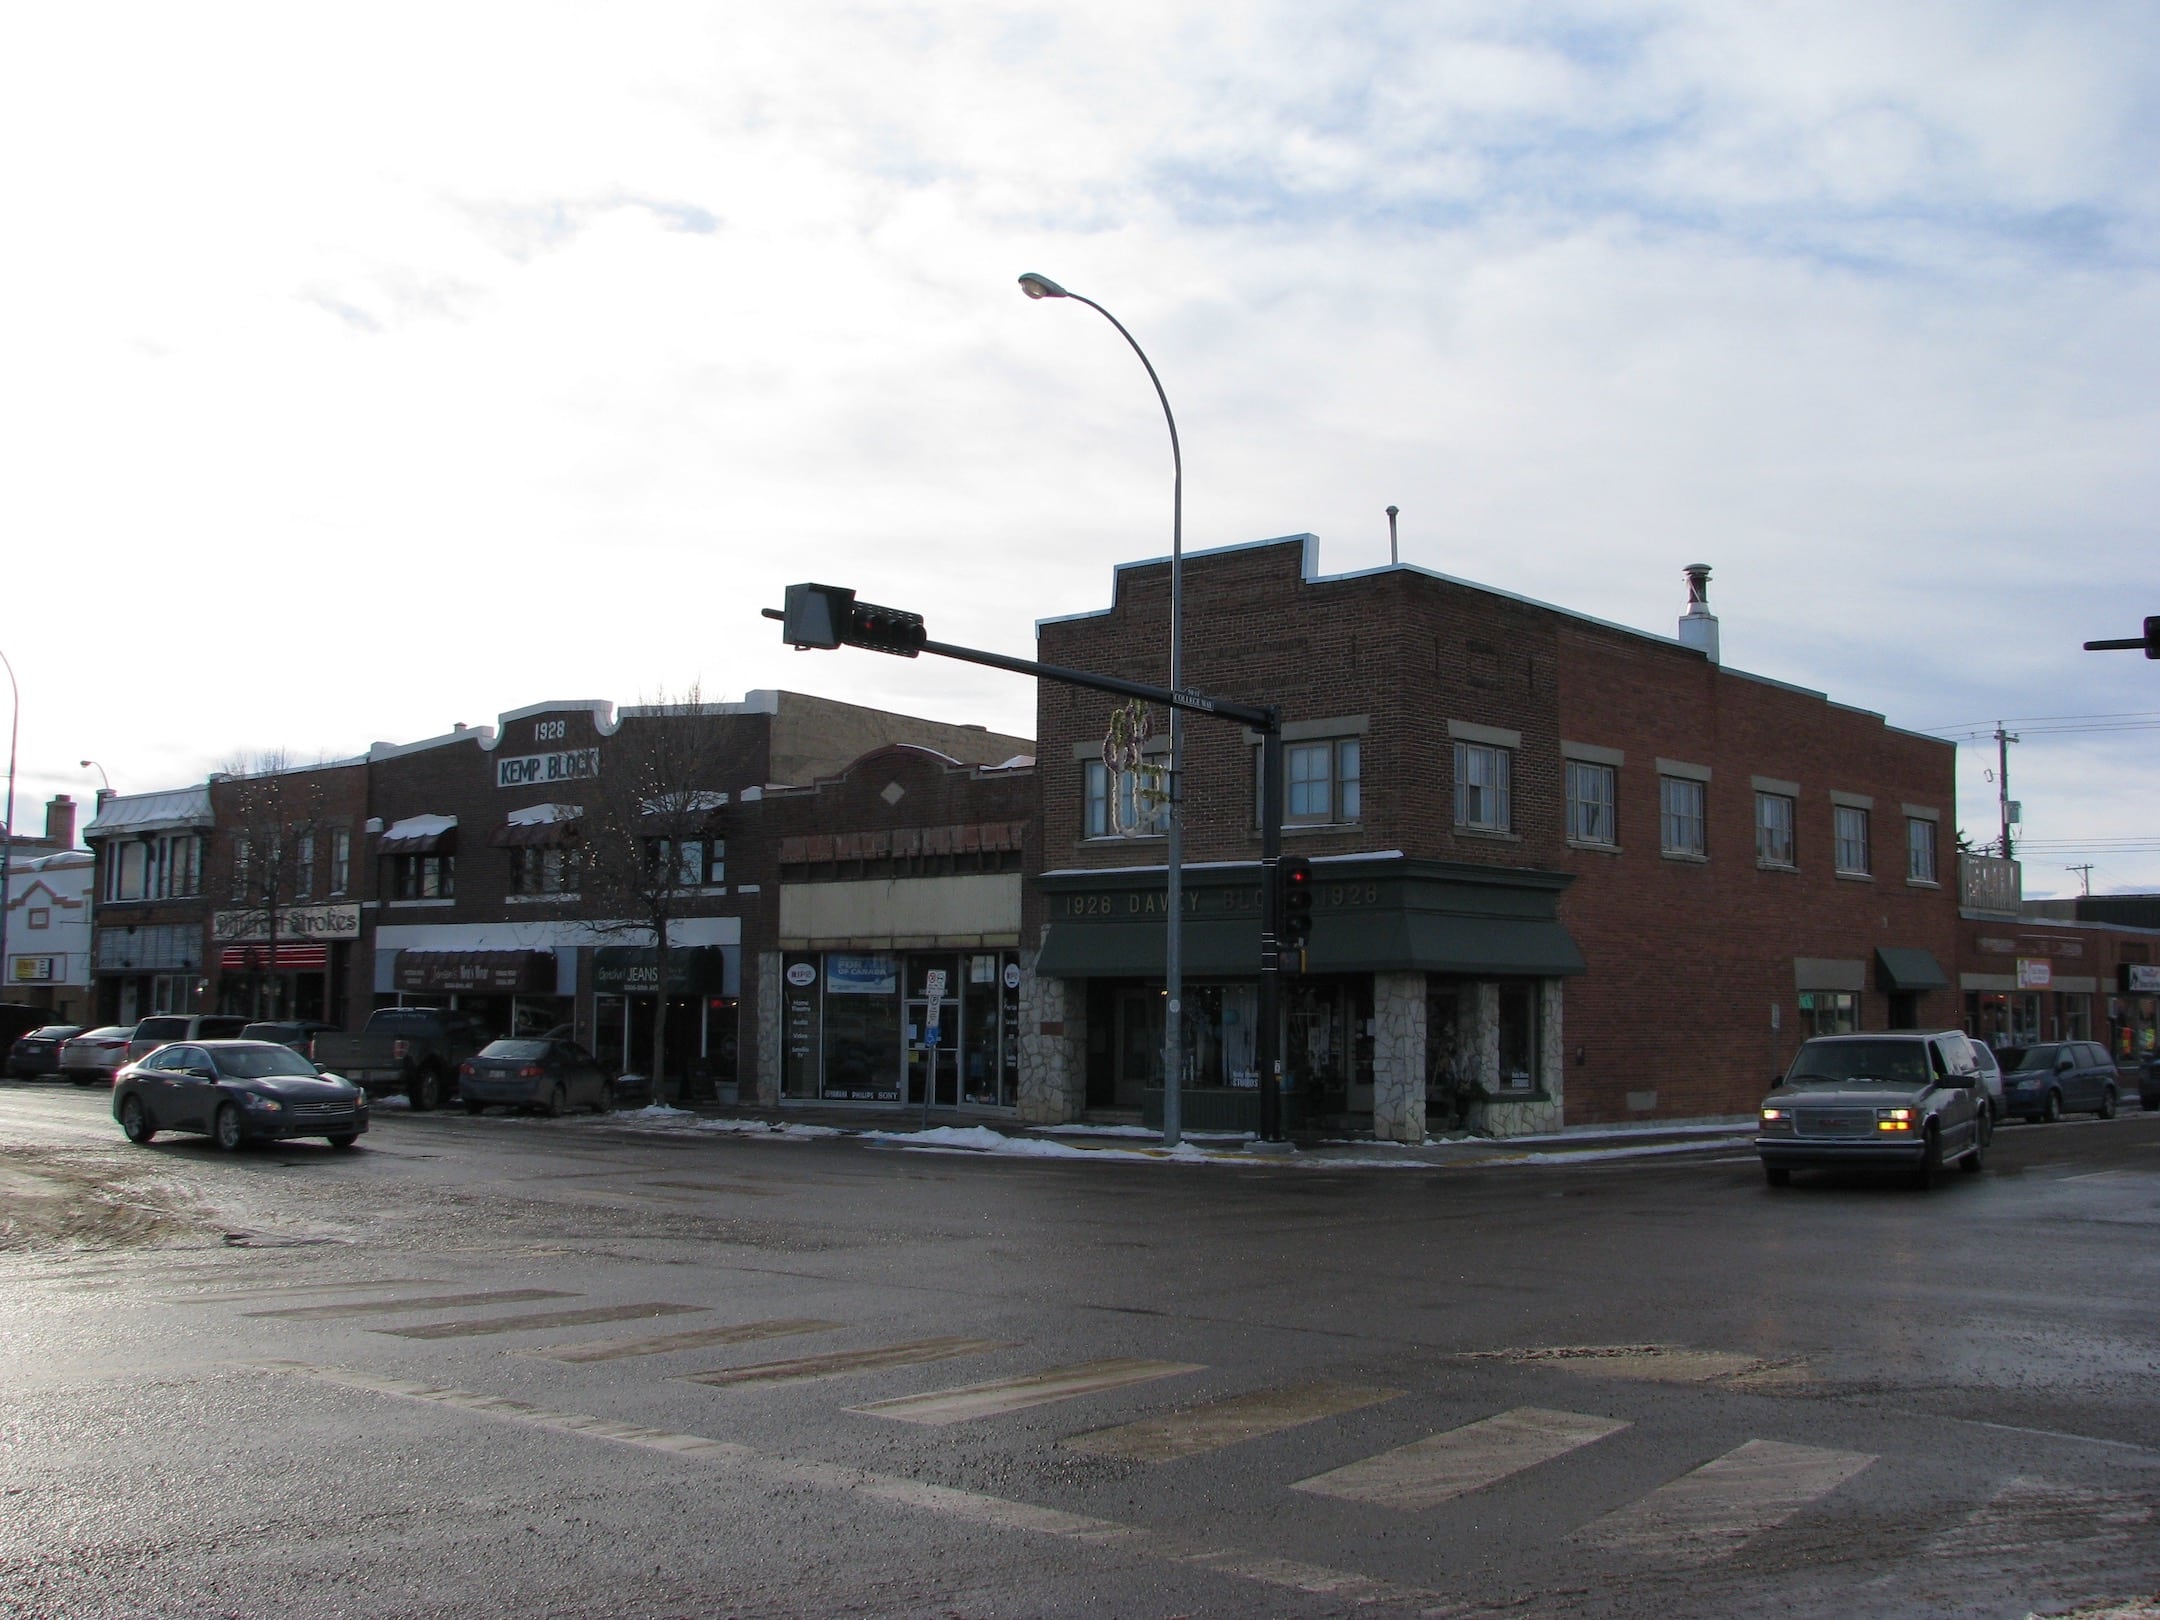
(856, 1027)
(1830, 1012)
(1518, 1035)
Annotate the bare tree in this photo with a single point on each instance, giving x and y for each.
(653, 834)
(271, 817)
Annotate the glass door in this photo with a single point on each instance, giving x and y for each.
(933, 988)
(1139, 1051)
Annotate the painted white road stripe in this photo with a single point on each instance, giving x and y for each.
(779, 1327)
(431, 1302)
(1440, 1467)
(593, 1316)
(971, 1507)
(847, 1361)
(1710, 1512)
(244, 1296)
(1210, 1427)
(995, 1399)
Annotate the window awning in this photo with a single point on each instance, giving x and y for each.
(1387, 942)
(419, 835)
(499, 972)
(535, 835)
(1901, 968)
(693, 970)
(291, 958)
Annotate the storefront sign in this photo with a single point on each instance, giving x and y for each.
(293, 922)
(530, 770)
(478, 972)
(33, 969)
(861, 975)
(693, 970)
(802, 975)
(2035, 972)
(2140, 979)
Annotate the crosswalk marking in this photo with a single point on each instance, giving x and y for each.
(1650, 1363)
(846, 1361)
(689, 1339)
(2027, 1513)
(1004, 1395)
(539, 1319)
(1428, 1472)
(241, 1296)
(1209, 1427)
(433, 1302)
(1708, 1513)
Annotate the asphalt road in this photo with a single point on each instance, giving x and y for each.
(502, 1367)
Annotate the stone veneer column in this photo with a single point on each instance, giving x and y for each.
(1552, 1053)
(1399, 1057)
(1485, 1034)
(1053, 1047)
(771, 989)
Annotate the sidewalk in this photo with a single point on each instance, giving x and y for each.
(987, 1134)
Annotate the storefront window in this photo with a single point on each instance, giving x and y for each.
(862, 1028)
(1830, 1012)
(1518, 1035)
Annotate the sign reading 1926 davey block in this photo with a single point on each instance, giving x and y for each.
(293, 922)
(529, 770)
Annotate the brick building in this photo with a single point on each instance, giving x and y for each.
(2081, 969)
(151, 910)
(1567, 870)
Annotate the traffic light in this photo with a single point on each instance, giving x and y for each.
(1293, 873)
(829, 616)
(2152, 636)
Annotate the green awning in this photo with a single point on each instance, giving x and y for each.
(1383, 942)
(1899, 968)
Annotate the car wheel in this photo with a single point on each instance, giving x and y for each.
(1777, 1175)
(555, 1103)
(134, 1123)
(1929, 1170)
(426, 1091)
(472, 1107)
(225, 1129)
(2107, 1103)
(2052, 1113)
(344, 1139)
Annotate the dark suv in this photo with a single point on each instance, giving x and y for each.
(1905, 1098)
(2058, 1078)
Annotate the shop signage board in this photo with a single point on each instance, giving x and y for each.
(33, 969)
(2035, 972)
(533, 770)
(693, 970)
(478, 972)
(2141, 978)
(293, 922)
(847, 975)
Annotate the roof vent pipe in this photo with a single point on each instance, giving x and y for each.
(1698, 626)
(1392, 558)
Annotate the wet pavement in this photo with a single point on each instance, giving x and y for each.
(701, 1366)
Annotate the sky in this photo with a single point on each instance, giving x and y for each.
(368, 370)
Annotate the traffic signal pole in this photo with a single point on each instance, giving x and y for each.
(829, 616)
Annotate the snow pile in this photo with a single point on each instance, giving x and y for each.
(982, 1139)
(761, 1129)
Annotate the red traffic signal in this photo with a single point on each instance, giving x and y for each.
(1293, 877)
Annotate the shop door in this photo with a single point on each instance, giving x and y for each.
(1139, 1048)
(938, 1067)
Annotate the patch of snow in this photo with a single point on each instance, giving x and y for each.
(420, 827)
(760, 1128)
(541, 815)
(661, 1111)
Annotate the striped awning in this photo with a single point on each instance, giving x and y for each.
(294, 958)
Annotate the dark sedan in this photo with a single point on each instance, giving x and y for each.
(553, 1076)
(236, 1092)
(36, 1056)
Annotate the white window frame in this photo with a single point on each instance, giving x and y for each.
(1592, 817)
(1483, 802)
(1765, 829)
(1095, 819)
(1339, 781)
(1851, 834)
(1684, 817)
(340, 860)
(1920, 851)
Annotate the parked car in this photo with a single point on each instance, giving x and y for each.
(1989, 1068)
(94, 1056)
(236, 1092)
(1907, 1098)
(296, 1033)
(36, 1055)
(2059, 1077)
(414, 1050)
(550, 1075)
(154, 1031)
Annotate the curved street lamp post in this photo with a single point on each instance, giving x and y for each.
(1036, 286)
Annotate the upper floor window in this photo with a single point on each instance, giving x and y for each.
(423, 877)
(1590, 818)
(1851, 826)
(1919, 850)
(1681, 822)
(1323, 781)
(1481, 787)
(543, 871)
(691, 863)
(1774, 829)
(340, 860)
(303, 886)
(1141, 806)
(168, 866)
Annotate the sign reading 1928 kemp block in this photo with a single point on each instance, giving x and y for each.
(530, 770)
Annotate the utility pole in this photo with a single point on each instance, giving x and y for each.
(2084, 876)
(2003, 740)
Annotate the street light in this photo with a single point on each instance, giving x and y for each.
(1036, 286)
(93, 765)
(7, 832)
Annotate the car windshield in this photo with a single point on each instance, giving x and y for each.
(1830, 1063)
(518, 1051)
(2040, 1057)
(261, 1063)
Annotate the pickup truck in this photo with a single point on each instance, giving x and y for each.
(414, 1050)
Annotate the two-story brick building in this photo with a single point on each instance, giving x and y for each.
(151, 911)
(1567, 870)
